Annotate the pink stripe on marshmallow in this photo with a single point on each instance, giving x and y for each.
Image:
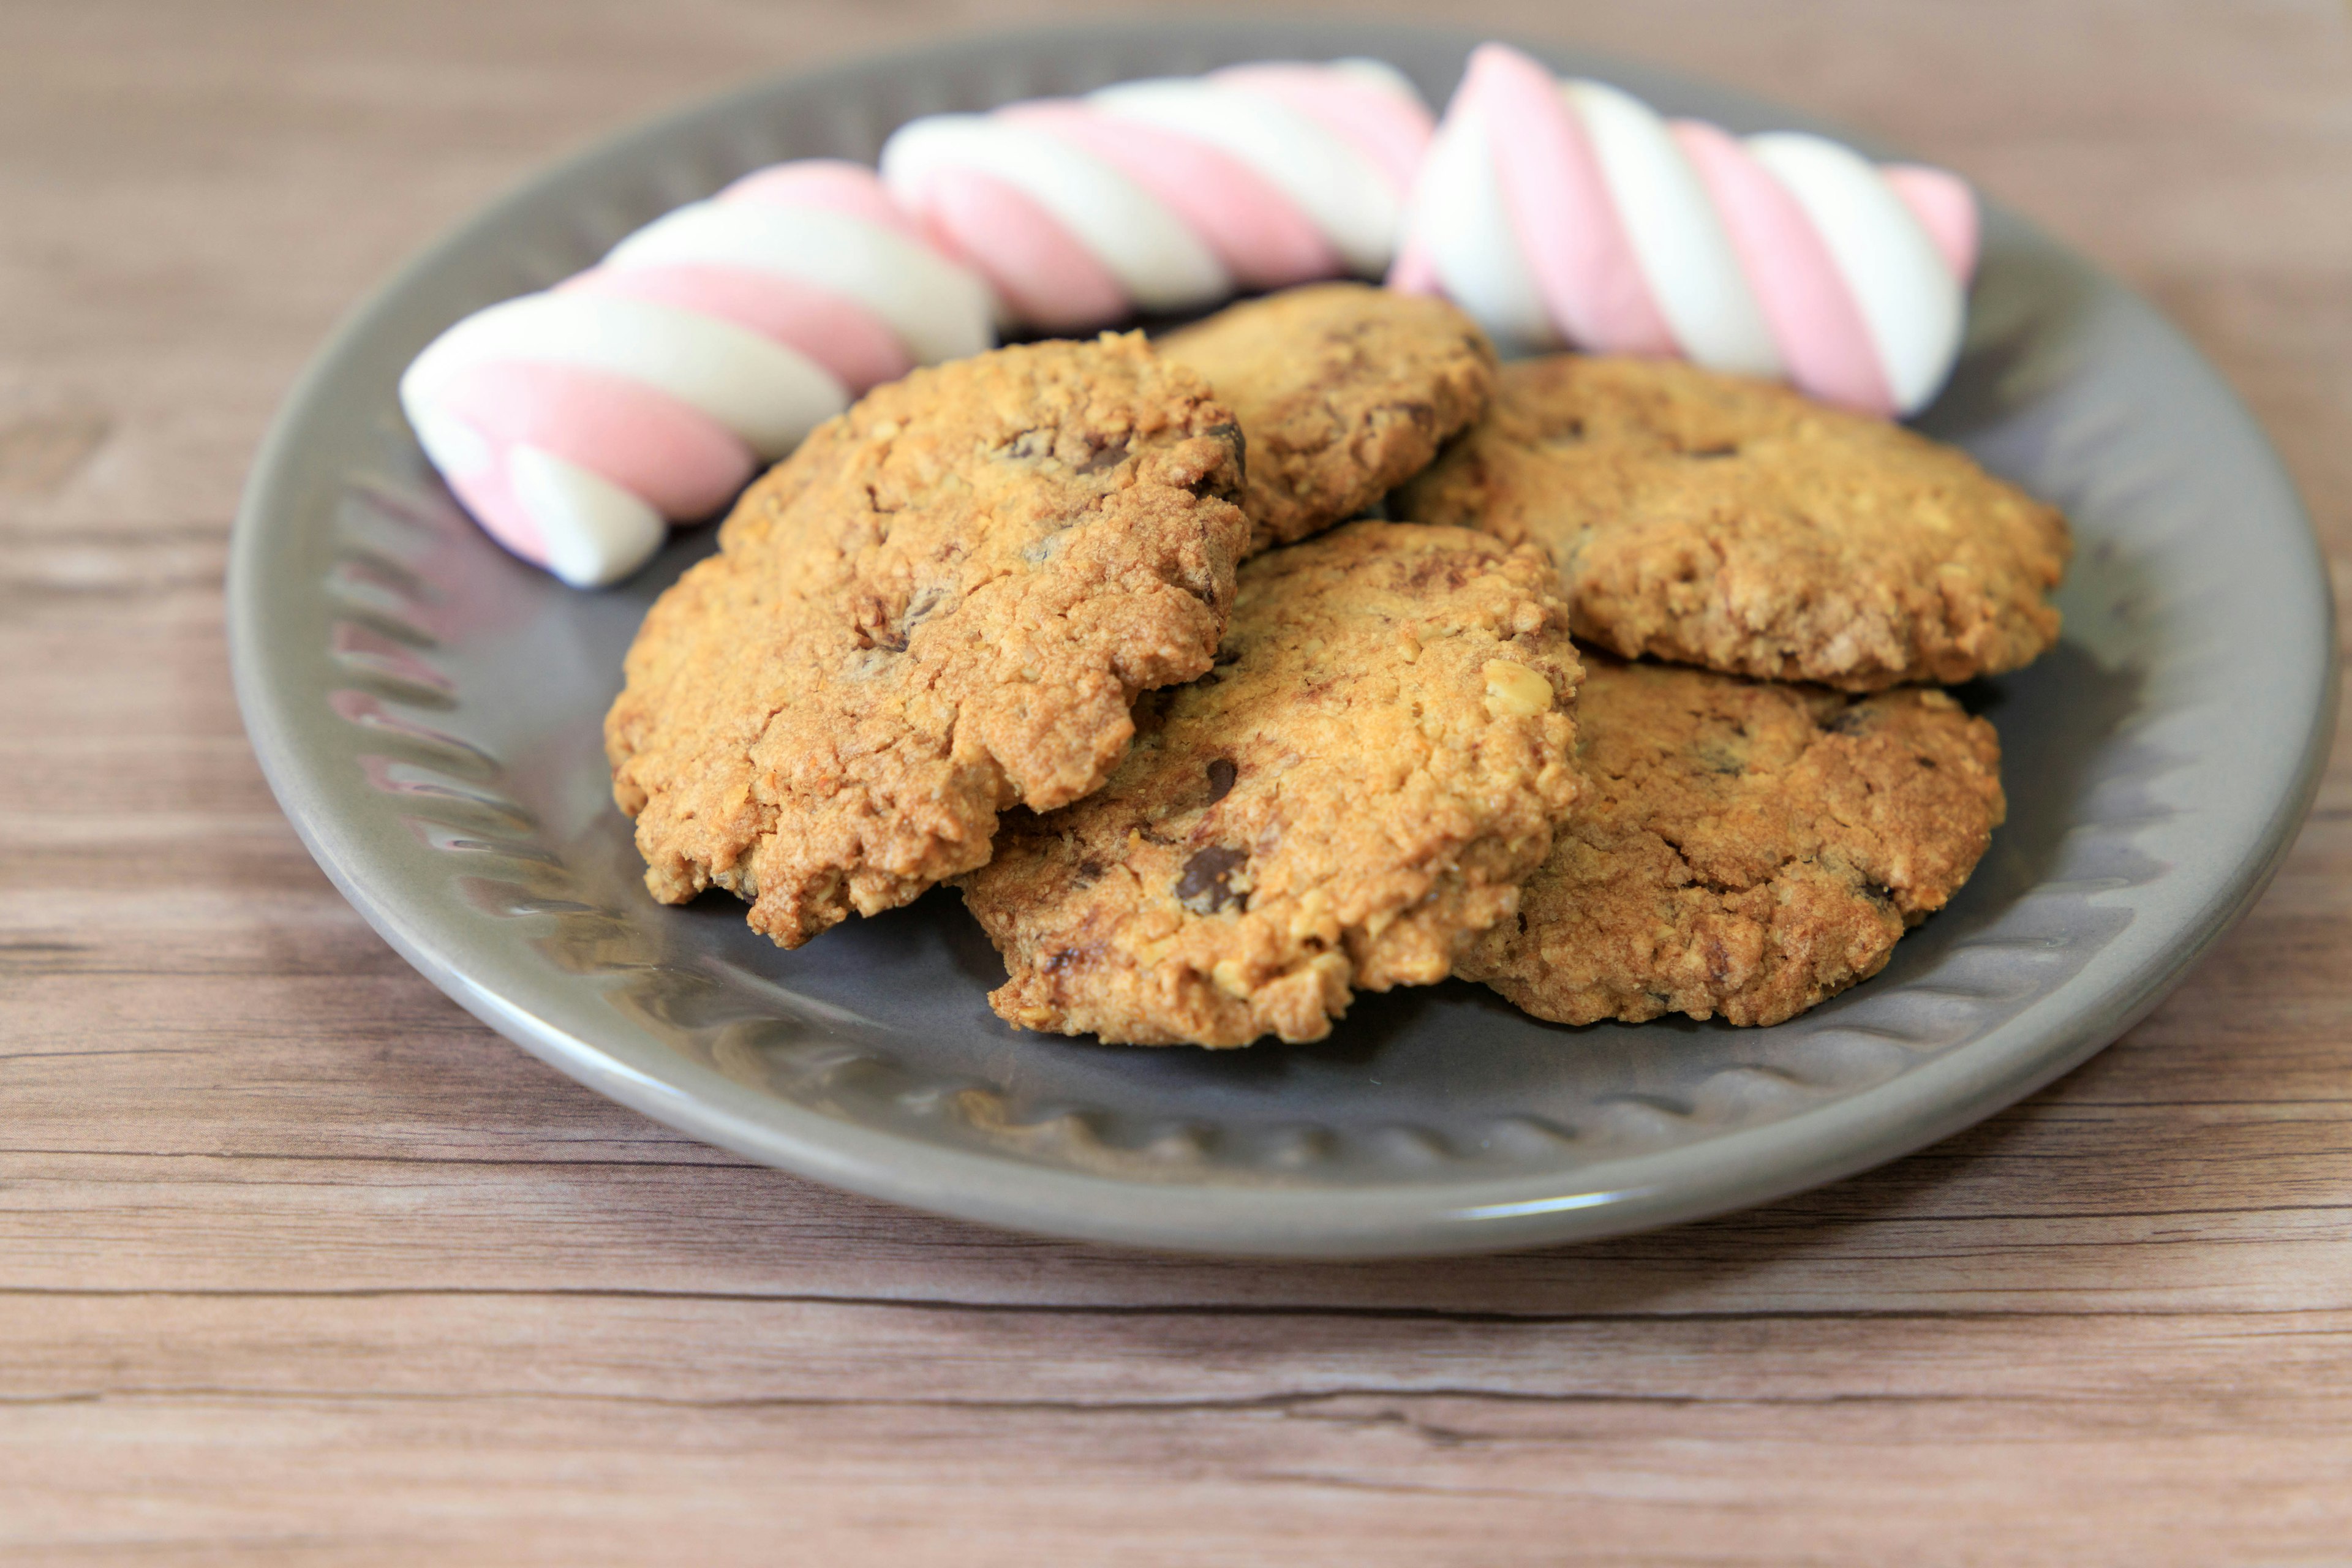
(1561, 208)
(1046, 275)
(840, 334)
(1815, 322)
(828, 183)
(1390, 130)
(1945, 207)
(680, 461)
(1263, 240)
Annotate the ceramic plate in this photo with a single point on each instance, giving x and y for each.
(428, 709)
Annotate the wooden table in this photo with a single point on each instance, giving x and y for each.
(300, 1263)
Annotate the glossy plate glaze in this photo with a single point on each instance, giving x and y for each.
(428, 711)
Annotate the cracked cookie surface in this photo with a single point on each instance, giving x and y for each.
(1730, 523)
(942, 604)
(1742, 848)
(1374, 764)
(1343, 391)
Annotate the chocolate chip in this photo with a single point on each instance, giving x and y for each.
(1705, 452)
(1027, 447)
(921, 605)
(1203, 887)
(1221, 773)
(1216, 482)
(1109, 457)
(1231, 434)
(872, 624)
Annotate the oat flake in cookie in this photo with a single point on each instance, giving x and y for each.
(1730, 523)
(1742, 848)
(943, 604)
(1344, 392)
(1374, 764)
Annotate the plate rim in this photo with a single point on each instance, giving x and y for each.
(1747, 1166)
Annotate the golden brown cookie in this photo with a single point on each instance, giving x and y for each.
(1721, 521)
(1344, 392)
(1742, 848)
(1362, 780)
(941, 604)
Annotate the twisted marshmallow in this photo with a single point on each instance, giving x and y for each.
(574, 423)
(1572, 213)
(1170, 195)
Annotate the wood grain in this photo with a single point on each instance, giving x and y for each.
(298, 1264)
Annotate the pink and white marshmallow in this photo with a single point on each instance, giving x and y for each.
(1570, 213)
(575, 424)
(1172, 194)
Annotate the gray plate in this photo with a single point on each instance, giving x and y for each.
(427, 710)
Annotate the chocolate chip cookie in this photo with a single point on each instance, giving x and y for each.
(1742, 848)
(1344, 391)
(943, 605)
(1362, 780)
(1721, 521)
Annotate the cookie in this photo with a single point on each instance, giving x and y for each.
(1375, 762)
(1344, 392)
(1721, 521)
(943, 605)
(1742, 848)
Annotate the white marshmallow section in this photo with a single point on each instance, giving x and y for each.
(1684, 252)
(767, 394)
(937, 310)
(1570, 213)
(1459, 213)
(596, 533)
(1155, 256)
(1913, 305)
(1340, 189)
